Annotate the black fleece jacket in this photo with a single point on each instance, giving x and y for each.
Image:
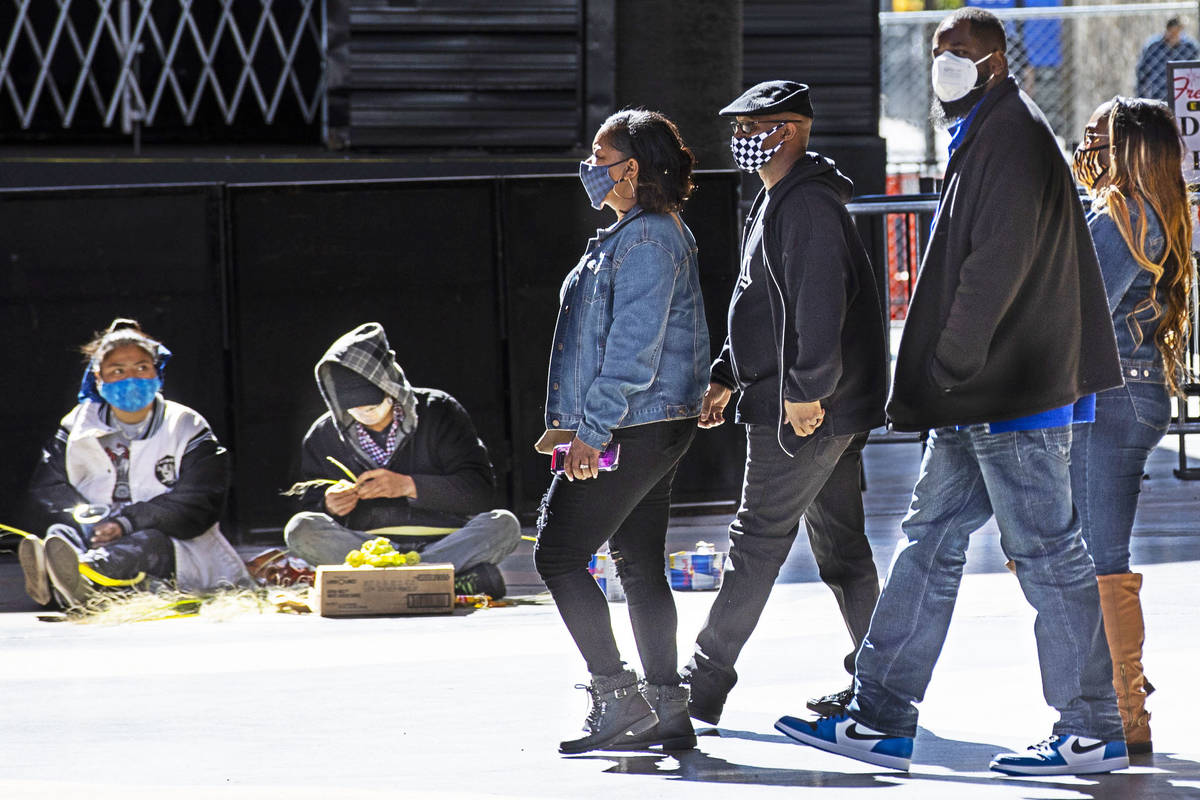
(823, 321)
(1009, 316)
(443, 455)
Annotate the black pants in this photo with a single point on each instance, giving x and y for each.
(837, 534)
(629, 508)
(821, 483)
(149, 551)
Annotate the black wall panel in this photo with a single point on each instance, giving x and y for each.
(314, 261)
(249, 284)
(832, 45)
(75, 259)
(456, 73)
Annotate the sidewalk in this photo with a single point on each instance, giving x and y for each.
(473, 705)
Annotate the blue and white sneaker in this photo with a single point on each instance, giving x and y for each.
(1064, 755)
(840, 734)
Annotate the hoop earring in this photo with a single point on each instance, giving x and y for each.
(632, 189)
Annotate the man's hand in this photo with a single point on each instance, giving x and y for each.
(341, 498)
(712, 406)
(385, 483)
(583, 461)
(804, 418)
(106, 532)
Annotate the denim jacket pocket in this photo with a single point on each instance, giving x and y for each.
(596, 278)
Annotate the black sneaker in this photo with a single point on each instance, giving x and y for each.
(708, 690)
(481, 579)
(832, 704)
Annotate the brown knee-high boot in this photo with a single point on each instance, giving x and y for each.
(1125, 630)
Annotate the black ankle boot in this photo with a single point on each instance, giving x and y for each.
(674, 729)
(618, 711)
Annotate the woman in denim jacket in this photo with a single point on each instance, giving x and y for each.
(628, 367)
(1130, 163)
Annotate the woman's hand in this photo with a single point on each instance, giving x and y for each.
(106, 532)
(712, 406)
(583, 461)
(341, 498)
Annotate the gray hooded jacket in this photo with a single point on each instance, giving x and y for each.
(437, 444)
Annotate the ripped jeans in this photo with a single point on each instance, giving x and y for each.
(629, 508)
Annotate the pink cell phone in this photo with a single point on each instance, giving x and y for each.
(609, 457)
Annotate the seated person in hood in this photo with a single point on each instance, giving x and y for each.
(423, 477)
(133, 484)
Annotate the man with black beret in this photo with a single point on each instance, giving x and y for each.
(806, 350)
(423, 477)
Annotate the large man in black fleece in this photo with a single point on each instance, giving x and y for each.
(1008, 328)
(806, 350)
(424, 479)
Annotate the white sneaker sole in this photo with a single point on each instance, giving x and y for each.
(31, 552)
(857, 753)
(1107, 765)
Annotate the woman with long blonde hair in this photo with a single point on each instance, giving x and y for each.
(1130, 161)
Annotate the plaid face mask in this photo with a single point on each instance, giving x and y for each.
(596, 182)
(748, 152)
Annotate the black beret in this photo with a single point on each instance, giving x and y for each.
(771, 97)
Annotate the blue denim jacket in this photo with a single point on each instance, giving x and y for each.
(1127, 284)
(631, 342)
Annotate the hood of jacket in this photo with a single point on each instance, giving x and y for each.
(365, 350)
(814, 167)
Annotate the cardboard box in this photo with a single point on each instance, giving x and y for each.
(691, 570)
(343, 591)
(604, 570)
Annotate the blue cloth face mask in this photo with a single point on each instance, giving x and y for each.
(130, 394)
(596, 182)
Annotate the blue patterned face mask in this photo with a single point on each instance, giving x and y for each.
(130, 394)
(596, 182)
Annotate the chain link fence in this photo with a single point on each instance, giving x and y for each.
(1068, 58)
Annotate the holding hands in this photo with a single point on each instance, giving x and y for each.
(712, 405)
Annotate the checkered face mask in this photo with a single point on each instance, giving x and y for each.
(748, 152)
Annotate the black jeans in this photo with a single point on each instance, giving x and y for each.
(837, 534)
(149, 551)
(820, 483)
(629, 508)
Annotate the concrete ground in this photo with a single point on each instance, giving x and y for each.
(473, 705)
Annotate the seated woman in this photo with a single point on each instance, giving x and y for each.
(152, 472)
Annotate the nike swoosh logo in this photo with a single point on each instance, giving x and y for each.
(1079, 749)
(852, 733)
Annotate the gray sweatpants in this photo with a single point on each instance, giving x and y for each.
(486, 538)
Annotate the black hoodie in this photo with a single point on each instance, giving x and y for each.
(805, 321)
(438, 446)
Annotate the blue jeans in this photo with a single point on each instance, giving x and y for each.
(1108, 458)
(1023, 478)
